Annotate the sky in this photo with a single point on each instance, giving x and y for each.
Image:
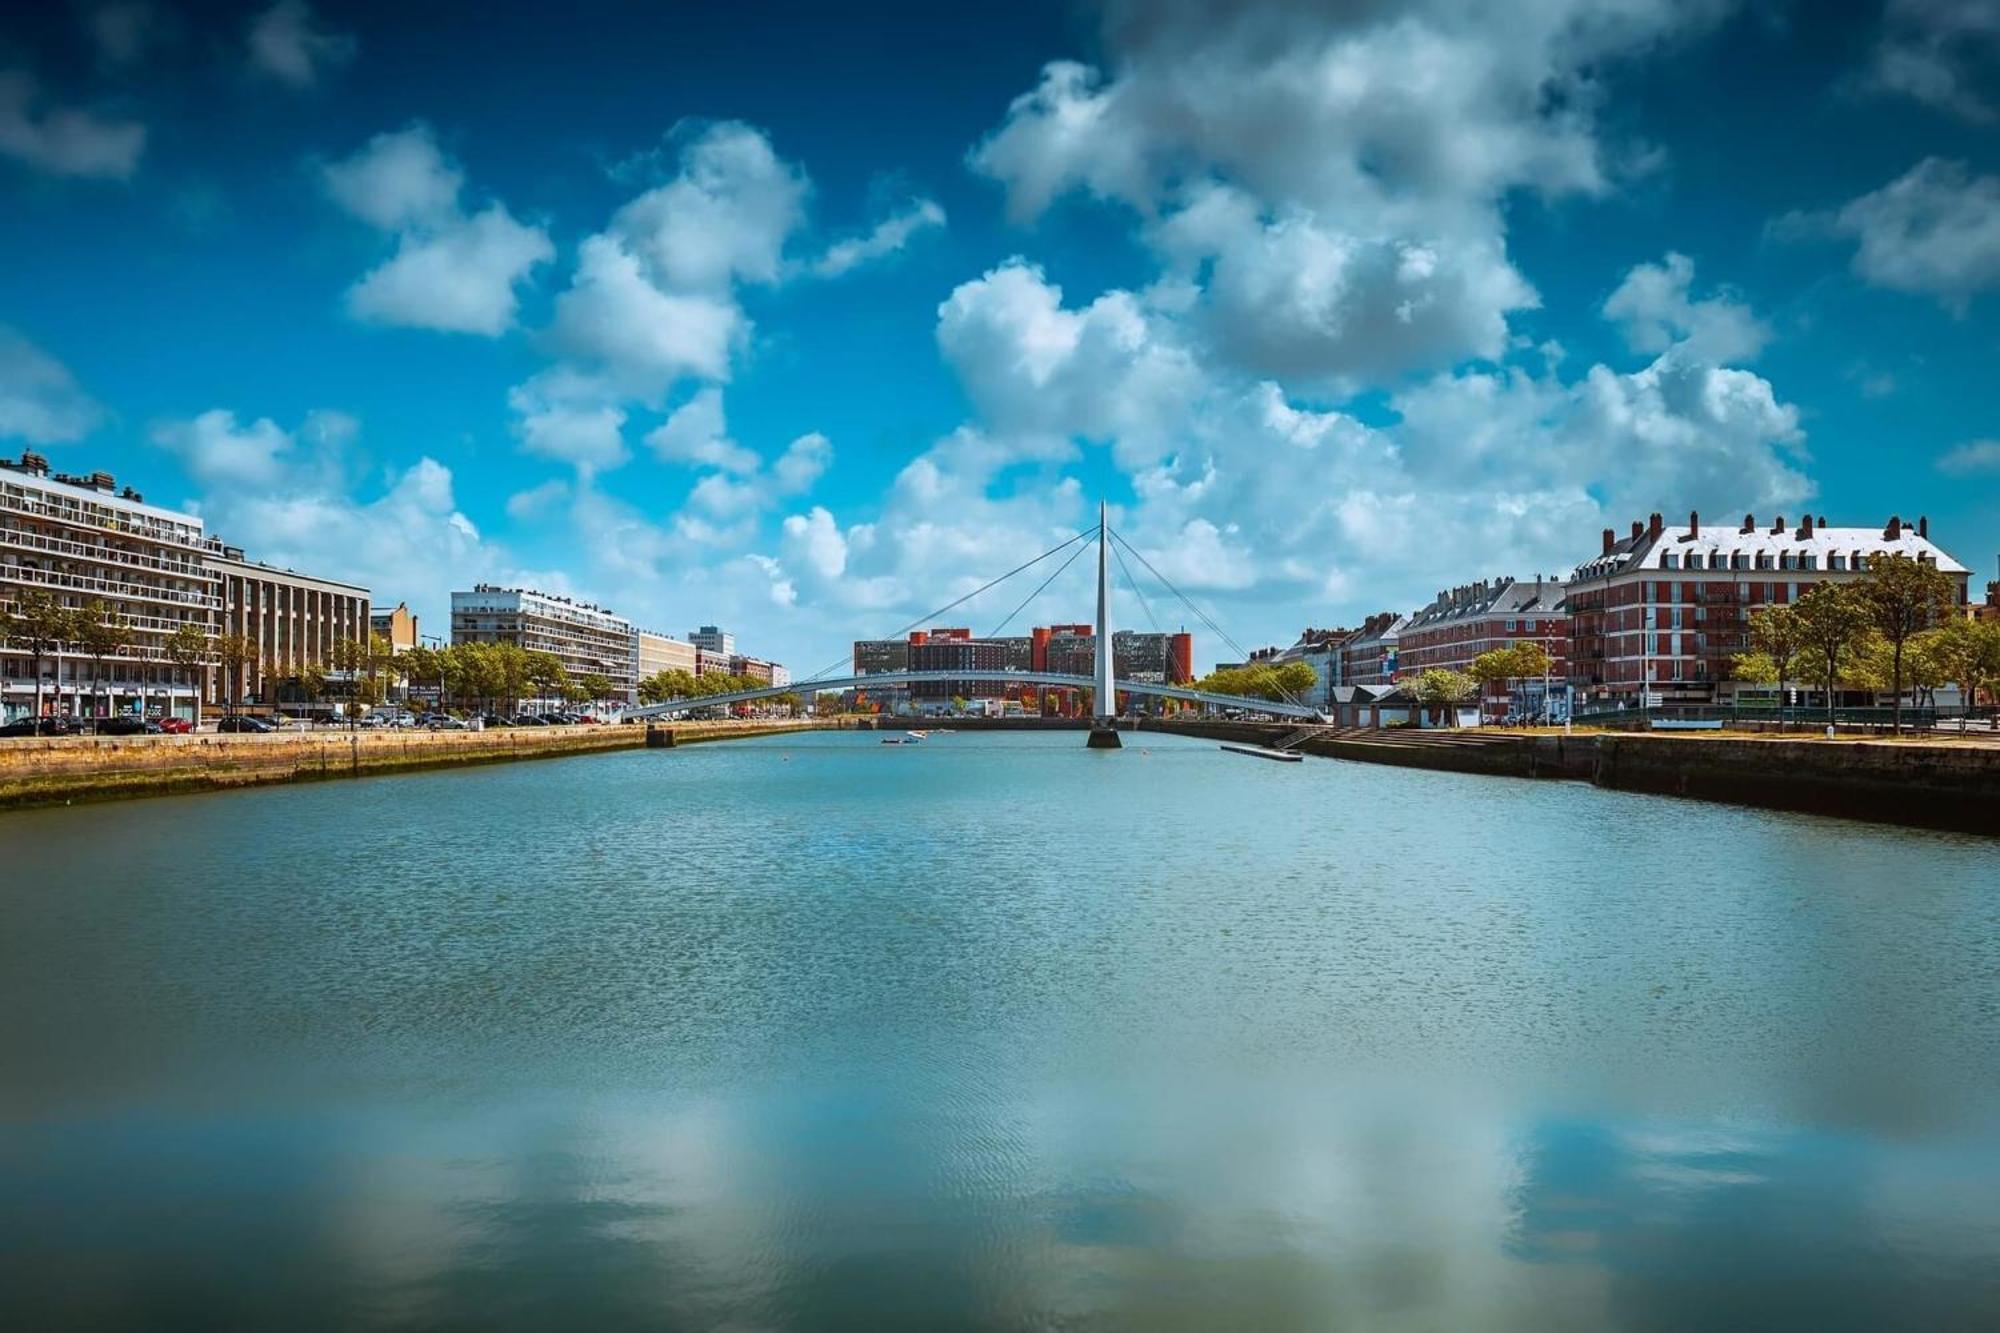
(805, 321)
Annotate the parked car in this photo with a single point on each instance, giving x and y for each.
(446, 722)
(127, 725)
(493, 719)
(21, 727)
(526, 720)
(245, 723)
(176, 726)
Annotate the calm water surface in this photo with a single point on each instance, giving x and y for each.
(997, 1033)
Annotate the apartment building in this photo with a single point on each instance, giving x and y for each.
(82, 539)
(1369, 657)
(397, 625)
(294, 621)
(1461, 623)
(662, 652)
(1659, 615)
(586, 639)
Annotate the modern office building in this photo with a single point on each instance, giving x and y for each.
(714, 641)
(586, 639)
(1461, 623)
(1659, 615)
(661, 652)
(294, 621)
(82, 539)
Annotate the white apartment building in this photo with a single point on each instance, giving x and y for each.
(82, 540)
(714, 641)
(586, 639)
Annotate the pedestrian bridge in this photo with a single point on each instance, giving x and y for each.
(1040, 679)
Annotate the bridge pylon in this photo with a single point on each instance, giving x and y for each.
(1104, 700)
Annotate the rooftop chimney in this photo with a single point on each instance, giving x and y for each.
(1805, 526)
(1923, 527)
(1822, 520)
(1653, 524)
(1749, 522)
(1694, 524)
(1610, 540)
(1638, 529)
(1778, 524)
(1895, 528)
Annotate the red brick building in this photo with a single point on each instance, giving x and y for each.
(1461, 623)
(1665, 610)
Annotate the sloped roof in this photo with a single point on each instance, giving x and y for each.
(1647, 552)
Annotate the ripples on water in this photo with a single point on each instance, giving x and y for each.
(992, 1032)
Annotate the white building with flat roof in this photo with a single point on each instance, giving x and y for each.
(586, 639)
(661, 652)
(83, 541)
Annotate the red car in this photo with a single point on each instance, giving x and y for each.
(175, 726)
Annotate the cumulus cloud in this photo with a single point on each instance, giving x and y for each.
(217, 450)
(886, 238)
(1933, 231)
(696, 434)
(568, 419)
(1973, 458)
(64, 141)
(1943, 53)
(40, 401)
(1333, 176)
(538, 501)
(1653, 308)
(451, 271)
(288, 43)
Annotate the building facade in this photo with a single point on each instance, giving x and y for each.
(713, 640)
(1369, 657)
(586, 639)
(662, 652)
(1659, 615)
(1463, 622)
(292, 620)
(81, 539)
(397, 625)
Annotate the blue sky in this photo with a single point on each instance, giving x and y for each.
(806, 322)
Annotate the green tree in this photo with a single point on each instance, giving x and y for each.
(1903, 597)
(596, 687)
(1828, 621)
(1774, 638)
(188, 648)
(350, 656)
(101, 632)
(41, 624)
(545, 671)
(1444, 689)
(1968, 653)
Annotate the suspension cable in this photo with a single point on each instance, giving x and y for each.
(834, 665)
(1038, 591)
(1133, 583)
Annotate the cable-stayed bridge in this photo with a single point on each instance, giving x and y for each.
(1103, 683)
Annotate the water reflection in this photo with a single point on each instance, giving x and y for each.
(796, 1058)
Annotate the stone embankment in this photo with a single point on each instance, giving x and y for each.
(55, 770)
(1942, 784)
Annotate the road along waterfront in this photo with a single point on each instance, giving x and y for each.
(992, 1030)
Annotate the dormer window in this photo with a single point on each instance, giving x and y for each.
(1670, 561)
(1836, 562)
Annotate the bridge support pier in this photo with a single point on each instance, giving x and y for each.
(1104, 736)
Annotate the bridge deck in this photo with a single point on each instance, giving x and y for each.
(1273, 707)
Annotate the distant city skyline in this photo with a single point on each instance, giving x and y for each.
(801, 326)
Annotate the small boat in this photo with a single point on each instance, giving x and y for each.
(912, 737)
(893, 740)
(1282, 756)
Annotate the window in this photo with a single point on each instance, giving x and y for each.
(1836, 562)
(1670, 561)
(1808, 561)
(1531, 627)
(1511, 626)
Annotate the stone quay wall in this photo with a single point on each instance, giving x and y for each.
(60, 769)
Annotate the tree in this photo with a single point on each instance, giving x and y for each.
(1968, 653)
(349, 656)
(1774, 635)
(1903, 597)
(41, 624)
(1828, 621)
(1517, 661)
(233, 653)
(1444, 689)
(427, 664)
(380, 657)
(545, 671)
(100, 632)
(187, 648)
(596, 687)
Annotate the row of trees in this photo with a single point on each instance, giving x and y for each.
(42, 626)
(666, 686)
(497, 676)
(1289, 681)
(1897, 630)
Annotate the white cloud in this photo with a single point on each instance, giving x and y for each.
(642, 337)
(567, 419)
(1933, 231)
(40, 401)
(803, 463)
(696, 434)
(537, 501)
(451, 272)
(888, 236)
(217, 450)
(1653, 309)
(1040, 373)
(288, 43)
(1944, 53)
(64, 141)
(1973, 458)
(725, 218)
